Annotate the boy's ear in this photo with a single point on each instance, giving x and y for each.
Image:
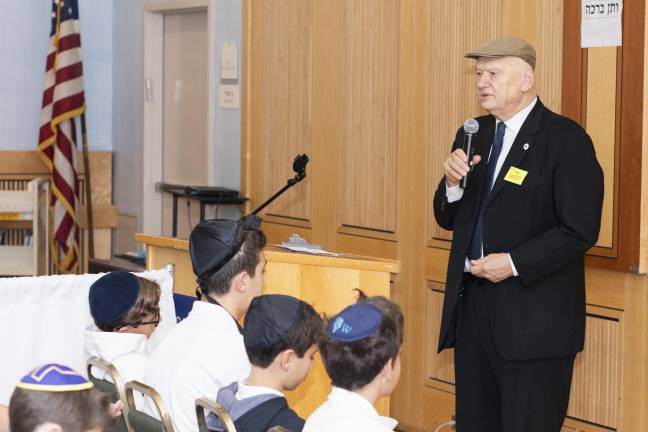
(123, 329)
(48, 427)
(387, 371)
(240, 282)
(285, 358)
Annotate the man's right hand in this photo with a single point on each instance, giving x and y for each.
(456, 166)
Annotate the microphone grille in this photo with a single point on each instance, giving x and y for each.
(471, 126)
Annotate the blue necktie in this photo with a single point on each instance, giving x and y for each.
(475, 249)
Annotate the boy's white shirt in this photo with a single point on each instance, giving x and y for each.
(202, 354)
(344, 410)
(126, 351)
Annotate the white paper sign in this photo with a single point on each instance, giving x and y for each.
(229, 96)
(601, 23)
(229, 61)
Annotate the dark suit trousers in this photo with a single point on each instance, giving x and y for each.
(498, 395)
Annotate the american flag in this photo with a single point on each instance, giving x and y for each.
(63, 100)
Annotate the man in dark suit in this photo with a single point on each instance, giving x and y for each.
(514, 306)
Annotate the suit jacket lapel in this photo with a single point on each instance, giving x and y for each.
(523, 142)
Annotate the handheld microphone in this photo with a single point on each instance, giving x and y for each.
(470, 128)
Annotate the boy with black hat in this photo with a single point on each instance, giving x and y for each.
(205, 351)
(281, 335)
(361, 354)
(126, 310)
(55, 398)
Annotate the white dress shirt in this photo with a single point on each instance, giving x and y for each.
(346, 411)
(513, 126)
(203, 353)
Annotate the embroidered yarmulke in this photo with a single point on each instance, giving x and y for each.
(355, 322)
(269, 319)
(112, 296)
(54, 378)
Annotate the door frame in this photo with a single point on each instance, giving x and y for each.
(152, 75)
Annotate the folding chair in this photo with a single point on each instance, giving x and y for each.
(203, 404)
(115, 389)
(279, 429)
(142, 422)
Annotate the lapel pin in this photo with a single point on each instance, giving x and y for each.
(525, 146)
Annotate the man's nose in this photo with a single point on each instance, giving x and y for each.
(482, 81)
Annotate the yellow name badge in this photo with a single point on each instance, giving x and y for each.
(515, 175)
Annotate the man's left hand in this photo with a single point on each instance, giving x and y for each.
(494, 267)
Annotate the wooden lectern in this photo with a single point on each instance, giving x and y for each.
(326, 282)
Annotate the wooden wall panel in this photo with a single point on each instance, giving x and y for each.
(281, 110)
(540, 23)
(439, 367)
(369, 115)
(601, 118)
(643, 229)
(456, 28)
(597, 374)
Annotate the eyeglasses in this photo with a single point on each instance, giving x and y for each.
(155, 322)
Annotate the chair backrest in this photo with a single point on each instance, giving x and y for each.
(115, 388)
(203, 404)
(142, 422)
(279, 429)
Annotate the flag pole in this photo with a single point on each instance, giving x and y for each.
(88, 189)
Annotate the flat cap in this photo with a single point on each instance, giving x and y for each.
(112, 296)
(269, 319)
(212, 243)
(355, 322)
(505, 47)
(54, 377)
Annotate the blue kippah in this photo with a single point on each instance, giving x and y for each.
(355, 322)
(54, 378)
(112, 296)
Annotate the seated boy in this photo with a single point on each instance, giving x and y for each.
(205, 351)
(361, 354)
(125, 309)
(55, 398)
(281, 335)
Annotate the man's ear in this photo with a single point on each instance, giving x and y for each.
(528, 79)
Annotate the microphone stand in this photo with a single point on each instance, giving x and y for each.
(299, 166)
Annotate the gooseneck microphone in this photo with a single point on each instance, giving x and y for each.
(470, 128)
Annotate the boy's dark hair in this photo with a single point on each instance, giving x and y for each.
(353, 365)
(74, 410)
(147, 303)
(252, 242)
(307, 331)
